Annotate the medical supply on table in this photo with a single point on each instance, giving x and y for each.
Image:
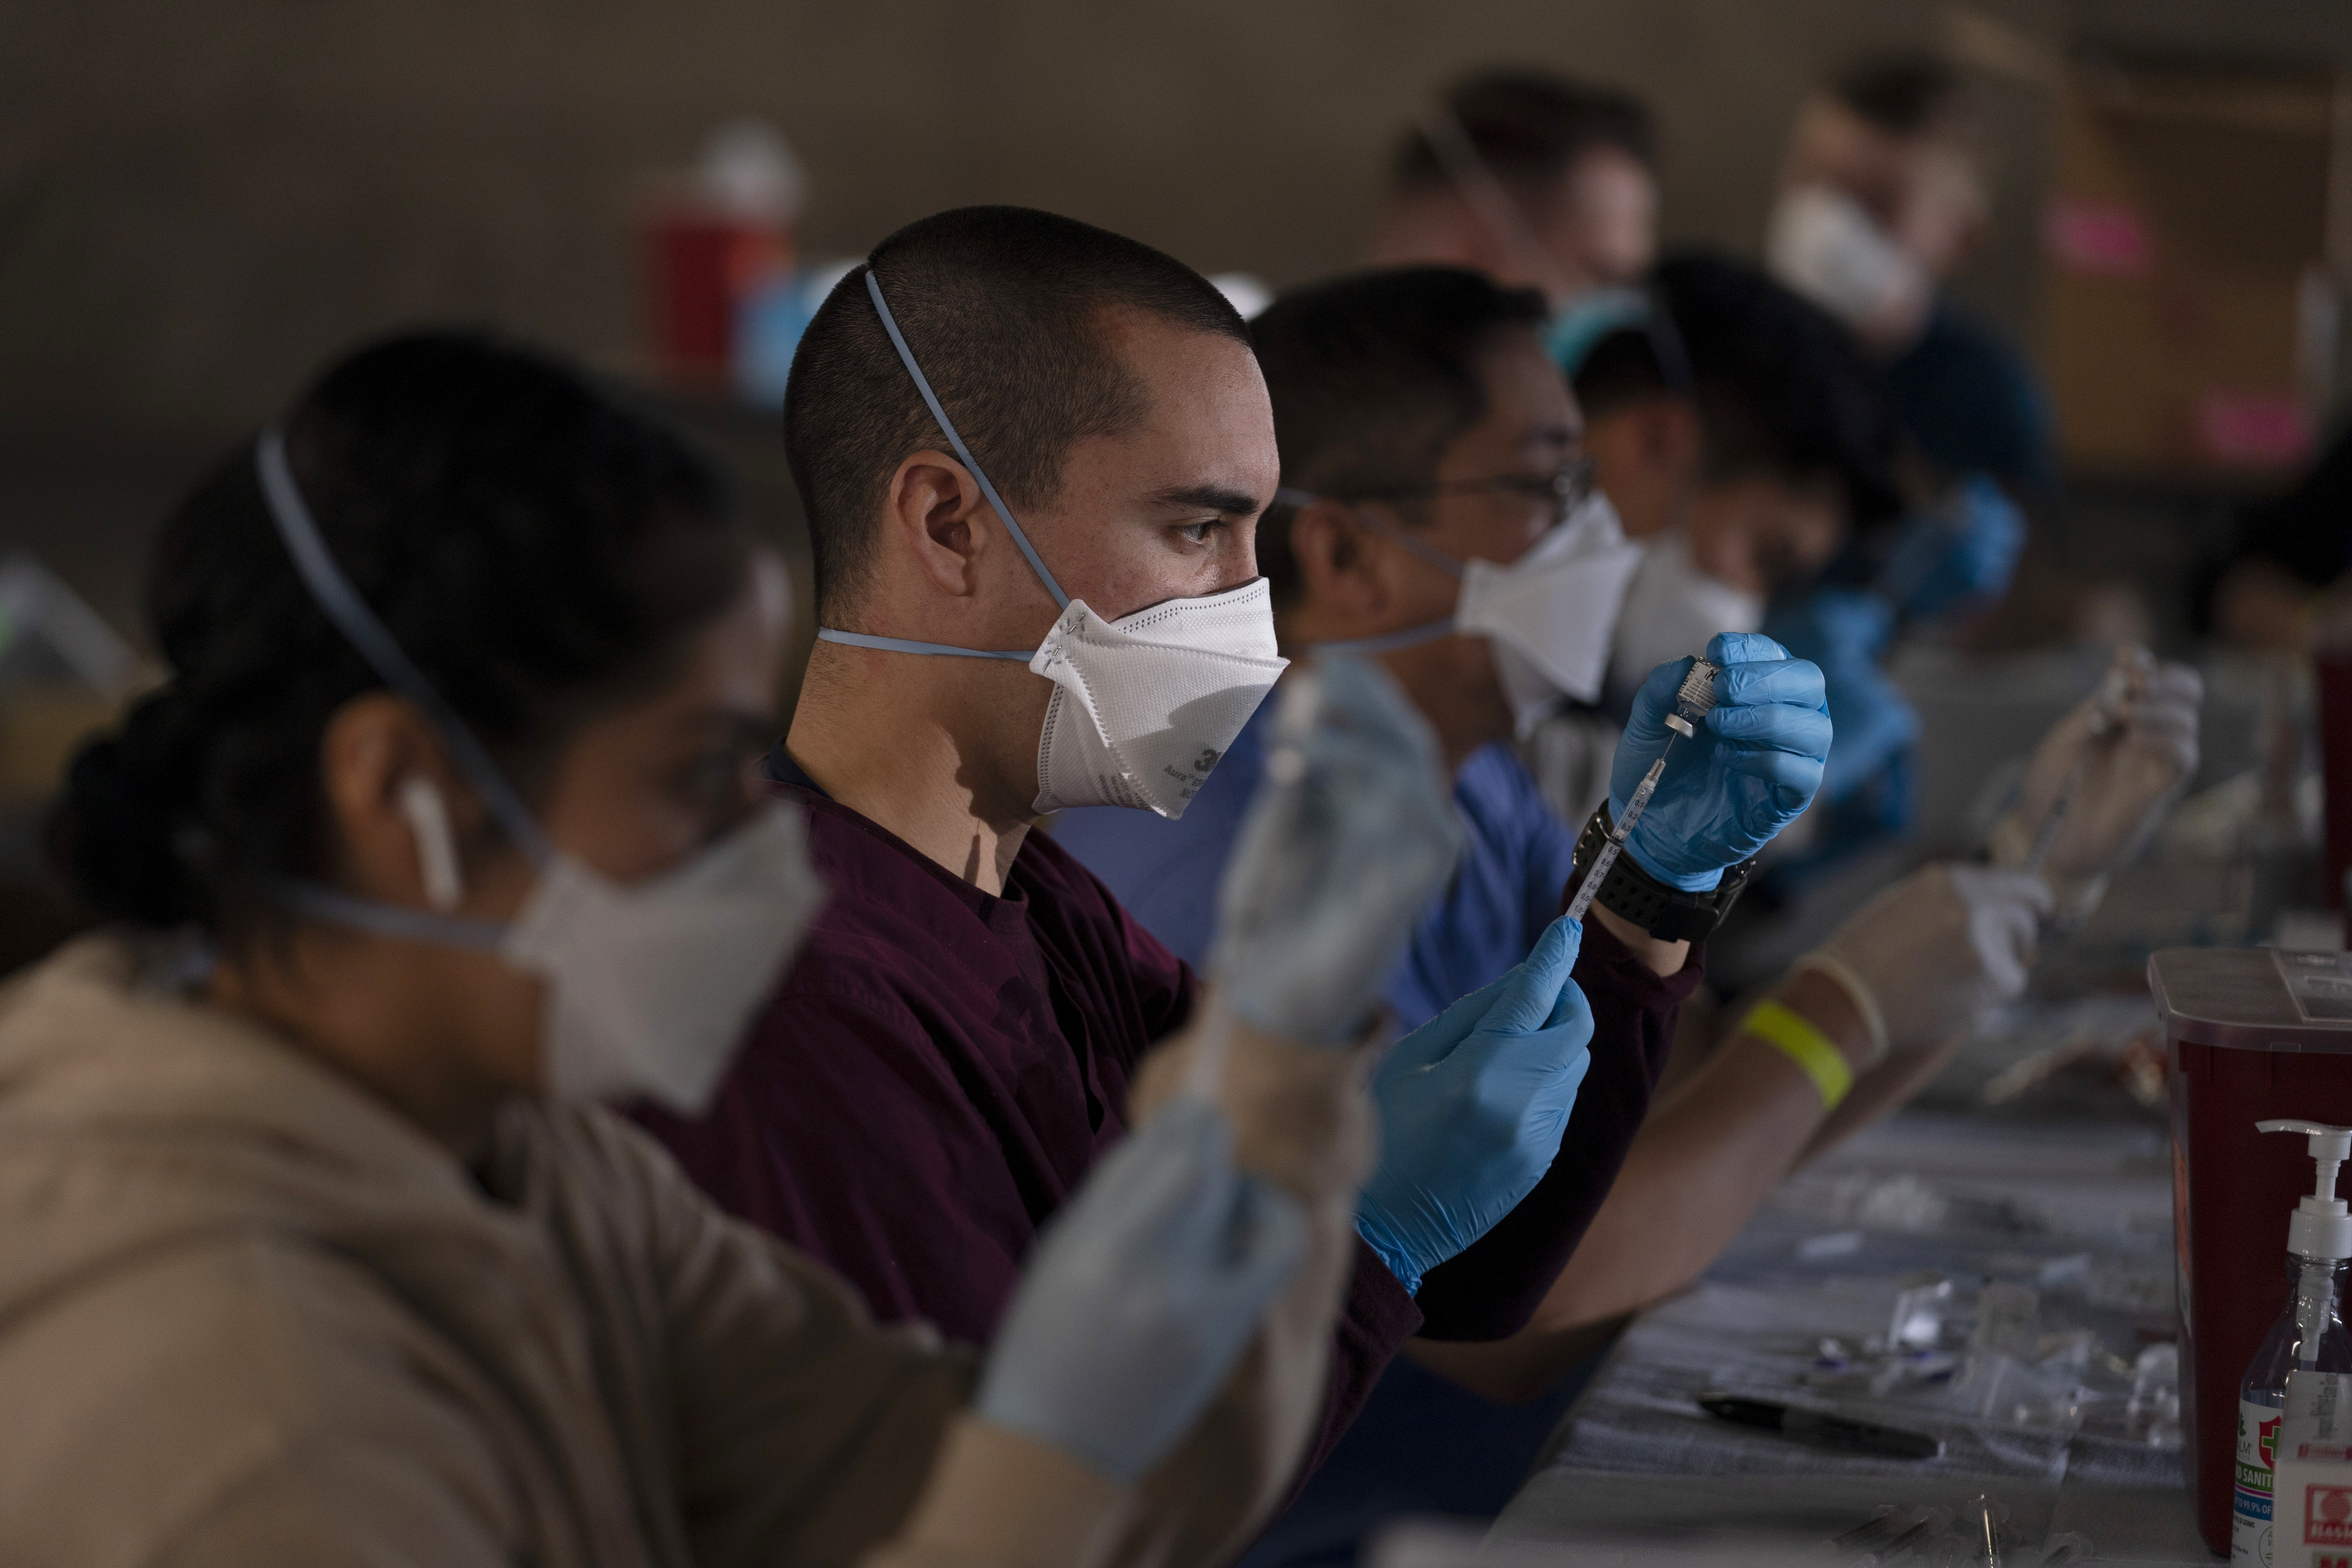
(1143, 705)
(1143, 1294)
(1352, 833)
(1694, 698)
(1839, 1431)
(2309, 1336)
(1472, 1105)
(2252, 1035)
(1984, 1530)
(2311, 1488)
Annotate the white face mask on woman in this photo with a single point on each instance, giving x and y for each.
(1672, 609)
(649, 986)
(1144, 705)
(1547, 616)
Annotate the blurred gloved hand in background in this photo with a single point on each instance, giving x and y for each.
(1844, 631)
(1472, 1105)
(2117, 759)
(1956, 554)
(1351, 836)
(1934, 952)
(1142, 1294)
(1749, 771)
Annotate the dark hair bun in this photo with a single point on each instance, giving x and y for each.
(115, 832)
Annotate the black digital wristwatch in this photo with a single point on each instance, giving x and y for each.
(1665, 911)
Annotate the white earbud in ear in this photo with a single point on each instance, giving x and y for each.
(436, 846)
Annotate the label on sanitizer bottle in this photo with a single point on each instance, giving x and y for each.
(2249, 1500)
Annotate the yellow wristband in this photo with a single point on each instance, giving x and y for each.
(1793, 1035)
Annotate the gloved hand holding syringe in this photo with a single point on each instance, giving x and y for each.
(2099, 781)
(1693, 699)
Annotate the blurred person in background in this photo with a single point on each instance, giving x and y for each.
(1882, 198)
(1746, 445)
(2287, 583)
(446, 827)
(1537, 181)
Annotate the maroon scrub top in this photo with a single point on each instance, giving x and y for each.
(941, 1067)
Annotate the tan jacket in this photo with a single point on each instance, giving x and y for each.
(250, 1316)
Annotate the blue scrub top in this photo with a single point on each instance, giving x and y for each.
(1513, 867)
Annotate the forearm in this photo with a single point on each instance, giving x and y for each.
(996, 1498)
(1222, 1485)
(1664, 958)
(1701, 1166)
(1882, 1090)
(1303, 1119)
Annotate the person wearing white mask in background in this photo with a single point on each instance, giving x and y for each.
(1882, 199)
(444, 824)
(1743, 442)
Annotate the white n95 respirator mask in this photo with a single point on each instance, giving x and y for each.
(1146, 704)
(1822, 243)
(649, 985)
(1547, 616)
(1672, 608)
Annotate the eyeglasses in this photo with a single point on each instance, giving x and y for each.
(1564, 490)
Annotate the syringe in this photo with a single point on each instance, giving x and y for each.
(1693, 699)
(2123, 684)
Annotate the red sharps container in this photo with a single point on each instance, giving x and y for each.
(2253, 1035)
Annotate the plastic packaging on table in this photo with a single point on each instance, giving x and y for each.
(2252, 1035)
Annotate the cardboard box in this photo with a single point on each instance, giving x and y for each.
(2194, 255)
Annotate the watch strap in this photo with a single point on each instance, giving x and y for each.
(1667, 912)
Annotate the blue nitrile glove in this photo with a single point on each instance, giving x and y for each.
(1347, 840)
(1471, 1104)
(1750, 769)
(1844, 631)
(1958, 552)
(1143, 1294)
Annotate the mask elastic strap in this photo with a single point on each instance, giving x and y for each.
(904, 645)
(341, 605)
(1412, 636)
(955, 439)
(394, 921)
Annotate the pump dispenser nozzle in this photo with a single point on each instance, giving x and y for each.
(2321, 1225)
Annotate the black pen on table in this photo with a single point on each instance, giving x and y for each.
(1866, 1437)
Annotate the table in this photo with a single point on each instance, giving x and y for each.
(2082, 1208)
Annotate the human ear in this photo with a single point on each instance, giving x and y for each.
(1336, 570)
(931, 509)
(396, 816)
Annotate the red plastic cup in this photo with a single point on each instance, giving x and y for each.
(700, 265)
(2253, 1035)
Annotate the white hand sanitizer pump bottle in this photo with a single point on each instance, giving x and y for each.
(2309, 1336)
